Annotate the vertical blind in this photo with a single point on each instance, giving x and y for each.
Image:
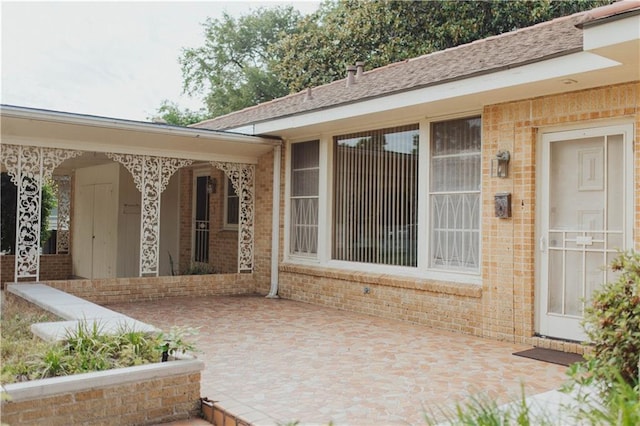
(455, 194)
(376, 196)
(305, 175)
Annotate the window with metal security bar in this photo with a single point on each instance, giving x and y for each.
(376, 196)
(305, 171)
(455, 194)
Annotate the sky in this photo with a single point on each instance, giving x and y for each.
(112, 59)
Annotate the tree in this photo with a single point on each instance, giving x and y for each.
(382, 32)
(8, 213)
(234, 68)
(272, 52)
(171, 113)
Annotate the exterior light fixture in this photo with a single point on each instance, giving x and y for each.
(212, 185)
(500, 164)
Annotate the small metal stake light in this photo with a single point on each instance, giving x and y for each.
(500, 164)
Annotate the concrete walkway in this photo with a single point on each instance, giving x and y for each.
(277, 361)
(74, 310)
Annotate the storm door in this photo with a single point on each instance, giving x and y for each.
(201, 217)
(586, 216)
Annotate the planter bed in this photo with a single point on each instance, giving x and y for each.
(140, 395)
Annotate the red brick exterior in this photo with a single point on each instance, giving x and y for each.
(52, 267)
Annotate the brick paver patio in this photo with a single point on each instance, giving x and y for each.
(277, 361)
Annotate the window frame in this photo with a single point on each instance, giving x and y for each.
(430, 193)
(302, 257)
(326, 208)
(226, 225)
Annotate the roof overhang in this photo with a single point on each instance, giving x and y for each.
(28, 126)
(610, 55)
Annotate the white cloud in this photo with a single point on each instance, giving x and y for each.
(115, 59)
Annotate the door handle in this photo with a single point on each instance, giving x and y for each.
(543, 244)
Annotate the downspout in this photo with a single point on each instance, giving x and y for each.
(275, 221)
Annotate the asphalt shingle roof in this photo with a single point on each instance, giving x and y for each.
(557, 37)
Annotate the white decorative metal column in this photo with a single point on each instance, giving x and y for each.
(242, 179)
(29, 167)
(63, 192)
(151, 176)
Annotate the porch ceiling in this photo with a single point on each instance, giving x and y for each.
(27, 126)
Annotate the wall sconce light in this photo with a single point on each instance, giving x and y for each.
(500, 164)
(212, 185)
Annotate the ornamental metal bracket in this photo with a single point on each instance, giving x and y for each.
(29, 167)
(151, 176)
(242, 179)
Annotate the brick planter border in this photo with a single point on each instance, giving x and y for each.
(147, 394)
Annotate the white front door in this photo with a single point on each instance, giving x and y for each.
(586, 216)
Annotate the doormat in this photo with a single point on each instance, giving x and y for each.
(549, 355)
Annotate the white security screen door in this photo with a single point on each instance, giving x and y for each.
(586, 216)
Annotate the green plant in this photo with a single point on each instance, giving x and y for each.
(8, 212)
(199, 268)
(174, 342)
(481, 410)
(53, 363)
(612, 323)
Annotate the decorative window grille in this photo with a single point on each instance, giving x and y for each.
(455, 194)
(376, 196)
(231, 206)
(305, 172)
(201, 220)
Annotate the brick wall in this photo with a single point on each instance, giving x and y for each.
(263, 221)
(52, 267)
(135, 400)
(503, 307)
(223, 243)
(117, 290)
(436, 304)
(508, 245)
(186, 207)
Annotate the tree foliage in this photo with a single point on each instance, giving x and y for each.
(234, 67)
(172, 114)
(274, 51)
(382, 32)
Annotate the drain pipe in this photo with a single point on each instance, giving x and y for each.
(275, 222)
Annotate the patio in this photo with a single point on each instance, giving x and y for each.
(272, 361)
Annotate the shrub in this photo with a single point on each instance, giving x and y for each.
(612, 323)
(199, 268)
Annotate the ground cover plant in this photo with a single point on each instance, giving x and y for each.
(84, 349)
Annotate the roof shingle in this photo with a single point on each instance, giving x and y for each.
(557, 37)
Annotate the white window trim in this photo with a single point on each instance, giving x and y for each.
(325, 213)
(298, 258)
(226, 226)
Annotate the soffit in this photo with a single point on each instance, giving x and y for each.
(98, 134)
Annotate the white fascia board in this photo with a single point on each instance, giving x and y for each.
(136, 126)
(556, 68)
(89, 146)
(611, 33)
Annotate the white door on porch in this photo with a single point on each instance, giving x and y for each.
(96, 224)
(586, 217)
